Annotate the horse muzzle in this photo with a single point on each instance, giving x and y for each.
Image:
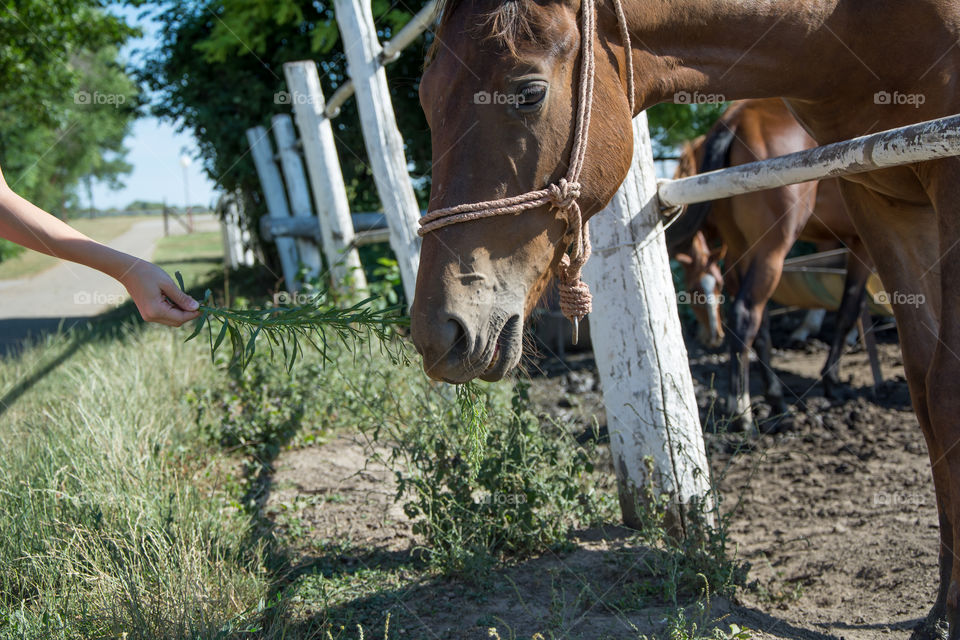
(457, 349)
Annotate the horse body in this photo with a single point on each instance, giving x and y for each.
(832, 60)
(758, 230)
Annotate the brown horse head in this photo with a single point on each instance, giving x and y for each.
(703, 288)
(500, 96)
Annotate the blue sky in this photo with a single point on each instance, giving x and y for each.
(155, 150)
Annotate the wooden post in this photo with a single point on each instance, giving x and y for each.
(272, 184)
(383, 141)
(237, 237)
(652, 415)
(326, 179)
(297, 189)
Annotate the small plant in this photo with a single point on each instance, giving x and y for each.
(521, 496)
(684, 567)
(287, 327)
(694, 625)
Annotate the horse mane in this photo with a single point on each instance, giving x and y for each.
(716, 155)
(509, 24)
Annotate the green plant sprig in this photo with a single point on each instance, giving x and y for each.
(287, 329)
(473, 411)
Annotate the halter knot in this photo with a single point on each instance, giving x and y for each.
(576, 300)
(563, 194)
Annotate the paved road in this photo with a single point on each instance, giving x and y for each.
(69, 293)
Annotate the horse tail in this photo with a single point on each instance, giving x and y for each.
(716, 155)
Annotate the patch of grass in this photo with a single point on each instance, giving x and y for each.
(113, 515)
(197, 256)
(30, 263)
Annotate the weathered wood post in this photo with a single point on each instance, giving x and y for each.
(383, 140)
(272, 184)
(236, 237)
(652, 415)
(297, 190)
(326, 178)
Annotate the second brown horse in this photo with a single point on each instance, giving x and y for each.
(757, 231)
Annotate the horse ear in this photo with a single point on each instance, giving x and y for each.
(683, 258)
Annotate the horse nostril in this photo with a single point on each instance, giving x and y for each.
(453, 335)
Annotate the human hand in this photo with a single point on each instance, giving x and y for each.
(157, 296)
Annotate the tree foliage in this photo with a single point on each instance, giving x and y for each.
(219, 71)
(67, 102)
(673, 124)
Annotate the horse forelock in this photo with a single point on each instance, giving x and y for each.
(509, 24)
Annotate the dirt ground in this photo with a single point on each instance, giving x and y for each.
(835, 515)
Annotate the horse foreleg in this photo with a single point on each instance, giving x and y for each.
(851, 304)
(772, 384)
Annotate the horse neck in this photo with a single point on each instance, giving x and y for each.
(730, 49)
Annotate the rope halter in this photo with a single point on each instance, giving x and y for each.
(575, 299)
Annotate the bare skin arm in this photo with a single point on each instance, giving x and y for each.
(156, 295)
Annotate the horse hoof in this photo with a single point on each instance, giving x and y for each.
(934, 627)
(831, 389)
(743, 424)
(779, 423)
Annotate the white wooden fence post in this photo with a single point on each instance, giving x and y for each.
(323, 166)
(272, 184)
(635, 328)
(297, 189)
(226, 235)
(383, 140)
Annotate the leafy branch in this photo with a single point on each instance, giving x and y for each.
(287, 328)
(473, 412)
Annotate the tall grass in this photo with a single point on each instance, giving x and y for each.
(112, 515)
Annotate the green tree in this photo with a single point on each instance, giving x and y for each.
(66, 103)
(673, 124)
(220, 67)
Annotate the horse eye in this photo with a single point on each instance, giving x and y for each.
(530, 96)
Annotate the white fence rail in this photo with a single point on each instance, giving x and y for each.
(915, 143)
